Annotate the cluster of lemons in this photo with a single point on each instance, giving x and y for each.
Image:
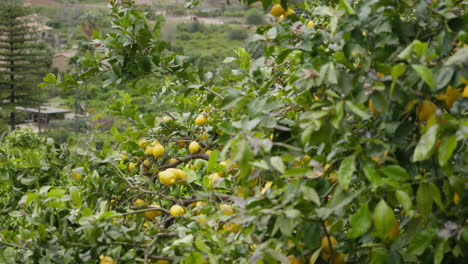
(278, 11)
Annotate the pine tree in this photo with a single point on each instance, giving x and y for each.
(23, 59)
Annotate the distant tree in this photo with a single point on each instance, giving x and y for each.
(23, 59)
(255, 17)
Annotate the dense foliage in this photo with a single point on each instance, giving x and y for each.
(345, 141)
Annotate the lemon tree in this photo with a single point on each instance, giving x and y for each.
(345, 141)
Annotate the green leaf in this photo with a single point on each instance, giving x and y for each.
(446, 148)
(346, 170)
(337, 115)
(315, 256)
(395, 172)
(460, 57)
(212, 161)
(194, 258)
(76, 198)
(404, 199)
(360, 222)
(425, 145)
(50, 78)
(201, 245)
(436, 195)
(346, 6)
(439, 251)
(277, 163)
(383, 219)
(373, 176)
(309, 194)
(421, 241)
(56, 193)
(359, 110)
(425, 74)
(398, 70)
(424, 199)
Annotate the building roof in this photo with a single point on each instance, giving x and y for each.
(44, 110)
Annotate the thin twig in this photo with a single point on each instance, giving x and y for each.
(183, 160)
(13, 245)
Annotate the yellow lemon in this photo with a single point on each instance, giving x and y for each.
(289, 12)
(266, 187)
(200, 120)
(105, 260)
(147, 163)
(172, 160)
(76, 175)
(158, 151)
(151, 215)
(166, 119)
(426, 110)
(162, 262)
(277, 10)
(208, 152)
(310, 24)
(214, 177)
(326, 246)
(199, 203)
(204, 136)
(226, 209)
(132, 166)
(194, 147)
(294, 260)
(456, 198)
(167, 177)
(139, 202)
(149, 151)
(339, 258)
(372, 108)
(177, 210)
(179, 174)
(142, 143)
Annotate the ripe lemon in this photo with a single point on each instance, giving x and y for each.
(167, 177)
(310, 24)
(200, 120)
(372, 108)
(199, 203)
(147, 163)
(179, 174)
(289, 12)
(142, 143)
(139, 202)
(208, 152)
(293, 260)
(149, 151)
(194, 147)
(266, 187)
(105, 260)
(456, 198)
(339, 258)
(151, 215)
(326, 247)
(277, 10)
(172, 160)
(214, 177)
(166, 119)
(426, 110)
(204, 136)
(132, 166)
(177, 210)
(158, 151)
(226, 209)
(76, 175)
